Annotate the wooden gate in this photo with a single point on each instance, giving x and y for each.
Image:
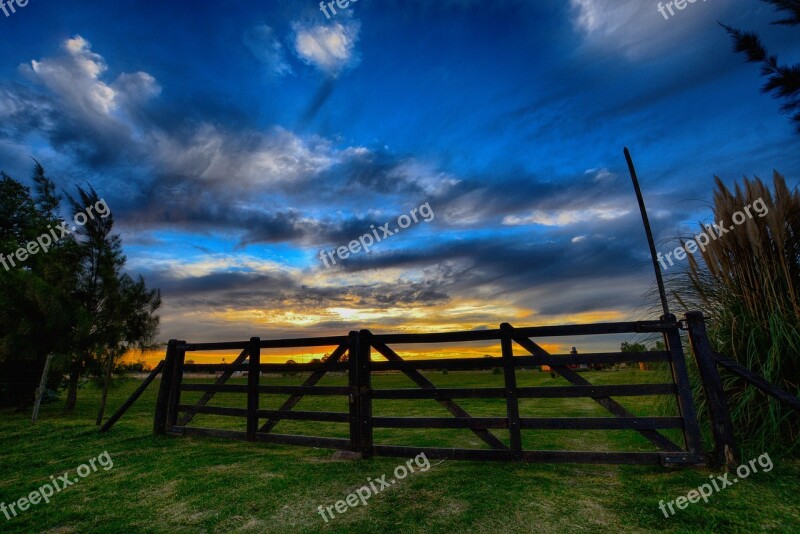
(518, 349)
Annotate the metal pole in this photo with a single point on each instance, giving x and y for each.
(659, 280)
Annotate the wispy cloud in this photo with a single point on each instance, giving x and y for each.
(267, 49)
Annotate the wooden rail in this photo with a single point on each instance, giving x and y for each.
(359, 347)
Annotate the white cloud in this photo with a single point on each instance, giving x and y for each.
(565, 217)
(635, 29)
(75, 78)
(600, 174)
(263, 44)
(329, 48)
(254, 159)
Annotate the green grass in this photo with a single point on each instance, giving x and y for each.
(184, 484)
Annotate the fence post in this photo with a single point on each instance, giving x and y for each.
(365, 391)
(725, 453)
(253, 379)
(160, 417)
(175, 385)
(360, 344)
(512, 403)
(680, 376)
(355, 394)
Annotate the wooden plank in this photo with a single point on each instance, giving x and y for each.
(136, 394)
(447, 403)
(354, 392)
(364, 384)
(680, 374)
(437, 453)
(725, 453)
(440, 394)
(464, 364)
(226, 374)
(631, 458)
(214, 367)
(331, 391)
(213, 410)
(330, 341)
(536, 331)
(306, 441)
(303, 367)
(315, 377)
(334, 417)
(596, 392)
(209, 432)
(584, 457)
(498, 423)
(160, 417)
(757, 381)
(540, 392)
(510, 379)
(175, 385)
(215, 388)
(228, 345)
(253, 379)
(600, 423)
(609, 404)
(270, 343)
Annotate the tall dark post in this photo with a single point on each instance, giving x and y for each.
(659, 280)
(253, 379)
(162, 402)
(725, 453)
(175, 385)
(510, 379)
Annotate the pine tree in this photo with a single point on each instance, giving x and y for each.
(783, 81)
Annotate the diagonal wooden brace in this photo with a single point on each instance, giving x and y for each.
(207, 396)
(653, 436)
(448, 404)
(315, 377)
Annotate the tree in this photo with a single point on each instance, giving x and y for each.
(783, 81)
(122, 309)
(37, 308)
(64, 295)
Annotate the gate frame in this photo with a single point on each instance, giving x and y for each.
(360, 393)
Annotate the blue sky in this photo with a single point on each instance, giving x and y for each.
(234, 140)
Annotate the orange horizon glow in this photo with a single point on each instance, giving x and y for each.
(304, 355)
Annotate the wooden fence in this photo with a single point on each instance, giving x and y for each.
(518, 349)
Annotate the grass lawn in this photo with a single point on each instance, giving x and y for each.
(171, 484)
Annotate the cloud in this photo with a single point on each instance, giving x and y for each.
(329, 48)
(636, 30)
(565, 217)
(266, 48)
(75, 77)
(601, 175)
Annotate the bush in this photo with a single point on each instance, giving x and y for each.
(746, 282)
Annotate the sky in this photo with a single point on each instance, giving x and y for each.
(236, 140)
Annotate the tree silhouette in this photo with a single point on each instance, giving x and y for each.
(783, 81)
